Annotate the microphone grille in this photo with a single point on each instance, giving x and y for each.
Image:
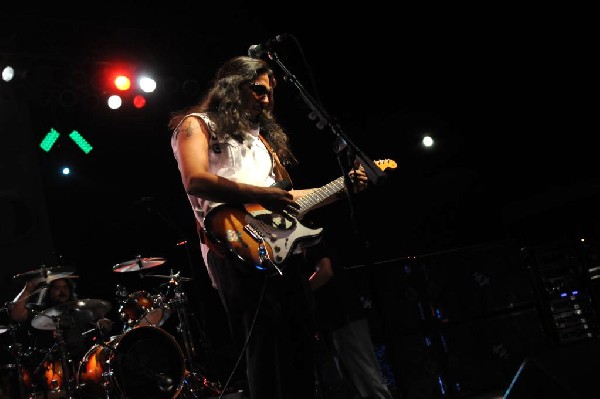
(254, 51)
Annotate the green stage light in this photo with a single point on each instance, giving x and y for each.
(80, 141)
(49, 140)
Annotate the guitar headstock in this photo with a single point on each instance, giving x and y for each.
(384, 164)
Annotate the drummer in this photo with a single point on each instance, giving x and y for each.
(77, 330)
(73, 326)
(59, 291)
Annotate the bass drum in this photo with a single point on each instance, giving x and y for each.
(144, 362)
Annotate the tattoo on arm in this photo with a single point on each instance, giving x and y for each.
(191, 128)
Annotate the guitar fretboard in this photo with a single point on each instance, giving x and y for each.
(321, 194)
(310, 201)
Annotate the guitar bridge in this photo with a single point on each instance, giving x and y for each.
(253, 233)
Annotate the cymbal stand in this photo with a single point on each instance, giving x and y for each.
(38, 369)
(61, 345)
(179, 302)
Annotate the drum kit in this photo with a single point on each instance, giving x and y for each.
(144, 361)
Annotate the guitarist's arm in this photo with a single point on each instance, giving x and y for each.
(193, 150)
(358, 177)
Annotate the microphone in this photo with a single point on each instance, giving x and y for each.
(257, 50)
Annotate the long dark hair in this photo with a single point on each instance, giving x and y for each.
(223, 101)
(44, 298)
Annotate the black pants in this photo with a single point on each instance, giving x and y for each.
(274, 313)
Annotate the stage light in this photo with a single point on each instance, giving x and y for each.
(128, 83)
(115, 101)
(49, 140)
(51, 137)
(122, 83)
(147, 84)
(117, 77)
(8, 73)
(139, 101)
(80, 141)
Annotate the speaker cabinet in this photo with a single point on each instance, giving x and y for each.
(457, 323)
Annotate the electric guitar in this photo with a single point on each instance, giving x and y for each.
(265, 239)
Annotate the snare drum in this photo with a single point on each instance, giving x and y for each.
(142, 309)
(144, 362)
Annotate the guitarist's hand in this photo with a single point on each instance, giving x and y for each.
(279, 201)
(359, 178)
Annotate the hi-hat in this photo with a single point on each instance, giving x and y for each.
(138, 264)
(46, 274)
(35, 307)
(3, 329)
(170, 277)
(85, 310)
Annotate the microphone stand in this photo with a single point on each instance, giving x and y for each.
(342, 142)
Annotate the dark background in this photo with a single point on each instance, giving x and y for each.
(507, 94)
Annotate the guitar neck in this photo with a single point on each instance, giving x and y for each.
(321, 194)
(312, 200)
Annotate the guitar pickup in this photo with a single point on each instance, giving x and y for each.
(253, 233)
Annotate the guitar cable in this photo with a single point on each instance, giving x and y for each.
(239, 359)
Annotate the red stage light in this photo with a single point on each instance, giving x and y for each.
(139, 101)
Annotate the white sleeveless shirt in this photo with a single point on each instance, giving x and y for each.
(248, 162)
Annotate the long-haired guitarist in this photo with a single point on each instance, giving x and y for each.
(231, 152)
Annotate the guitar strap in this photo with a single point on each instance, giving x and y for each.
(280, 172)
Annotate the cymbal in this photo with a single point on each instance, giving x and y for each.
(47, 274)
(86, 310)
(3, 329)
(34, 307)
(138, 264)
(173, 277)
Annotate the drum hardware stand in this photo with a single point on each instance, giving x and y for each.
(60, 344)
(121, 296)
(194, 382)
